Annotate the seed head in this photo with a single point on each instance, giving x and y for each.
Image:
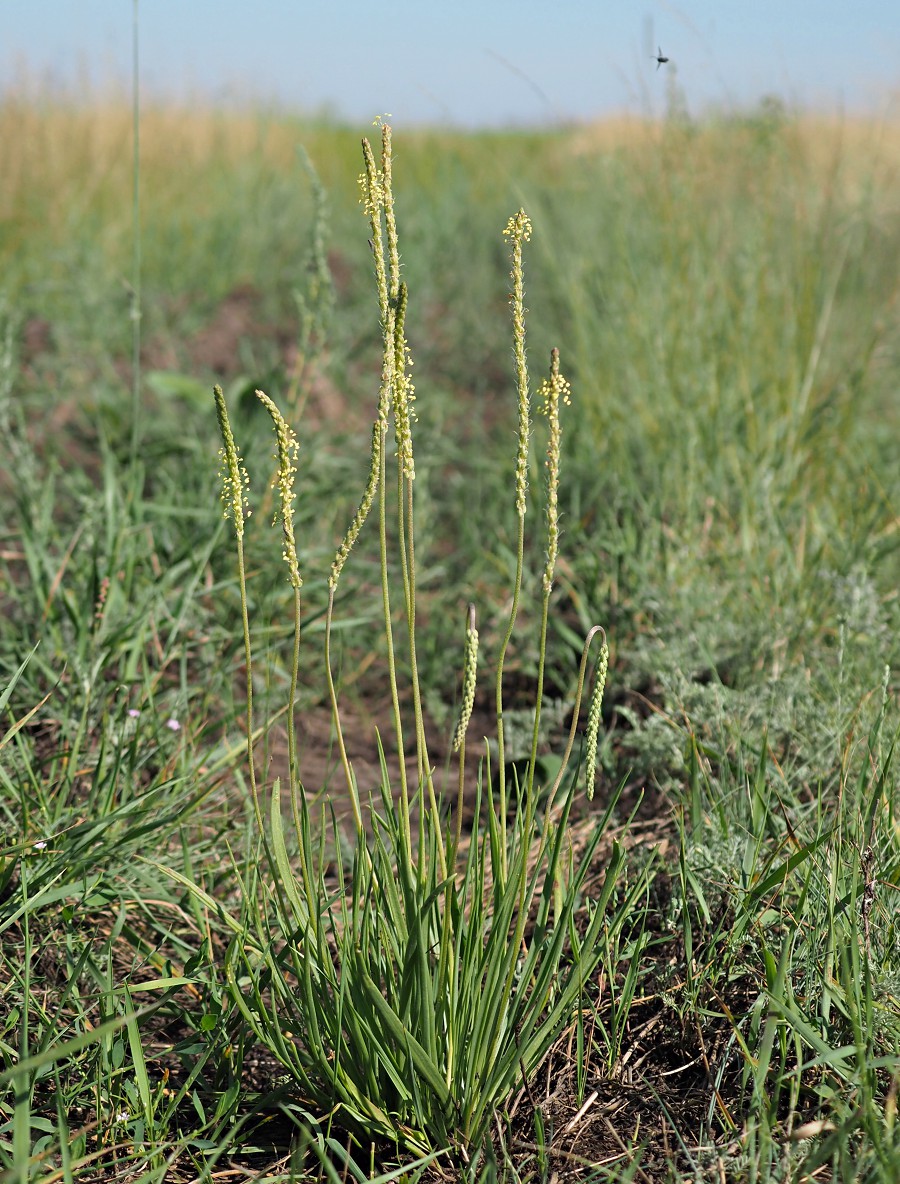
(404, 394)
(235, 479)
(371, 183)
(551, 392)
(470, 669)
(593, 723)
(286, 448)
(518, 230)
(518, 227)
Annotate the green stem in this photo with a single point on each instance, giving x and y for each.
(248, 664)
(501, 759)
(408, 566)
(553, 391)
(539, 692)
(136, 242)
(291, 717)
(335, 714)
(392, 665)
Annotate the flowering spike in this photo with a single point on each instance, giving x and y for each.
(518, 229)
(404, 389)
(470, 670)
(593, 723)
(235, 479)
(286, 454)
(551, 392)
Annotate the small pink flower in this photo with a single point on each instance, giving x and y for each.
(173, 725)
(133, 712)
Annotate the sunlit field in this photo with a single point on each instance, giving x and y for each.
(468, 761)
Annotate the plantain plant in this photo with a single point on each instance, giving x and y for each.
(409, 982)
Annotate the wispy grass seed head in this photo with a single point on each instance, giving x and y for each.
(286, 448)
(235, 478)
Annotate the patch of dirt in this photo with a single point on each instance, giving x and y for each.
(239, 336)
(215, 346)
(37, 339)
(239, 328)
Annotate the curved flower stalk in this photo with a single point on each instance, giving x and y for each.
(593, 711)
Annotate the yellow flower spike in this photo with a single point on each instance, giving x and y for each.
(286, 454)
(518, 229)
(373, 201)
(552, 392)
(371, 184)
(404, 390)
(390, 220)
(235, 479)
(593, 722)
(470, 670)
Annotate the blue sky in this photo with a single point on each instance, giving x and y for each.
(469, 62)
